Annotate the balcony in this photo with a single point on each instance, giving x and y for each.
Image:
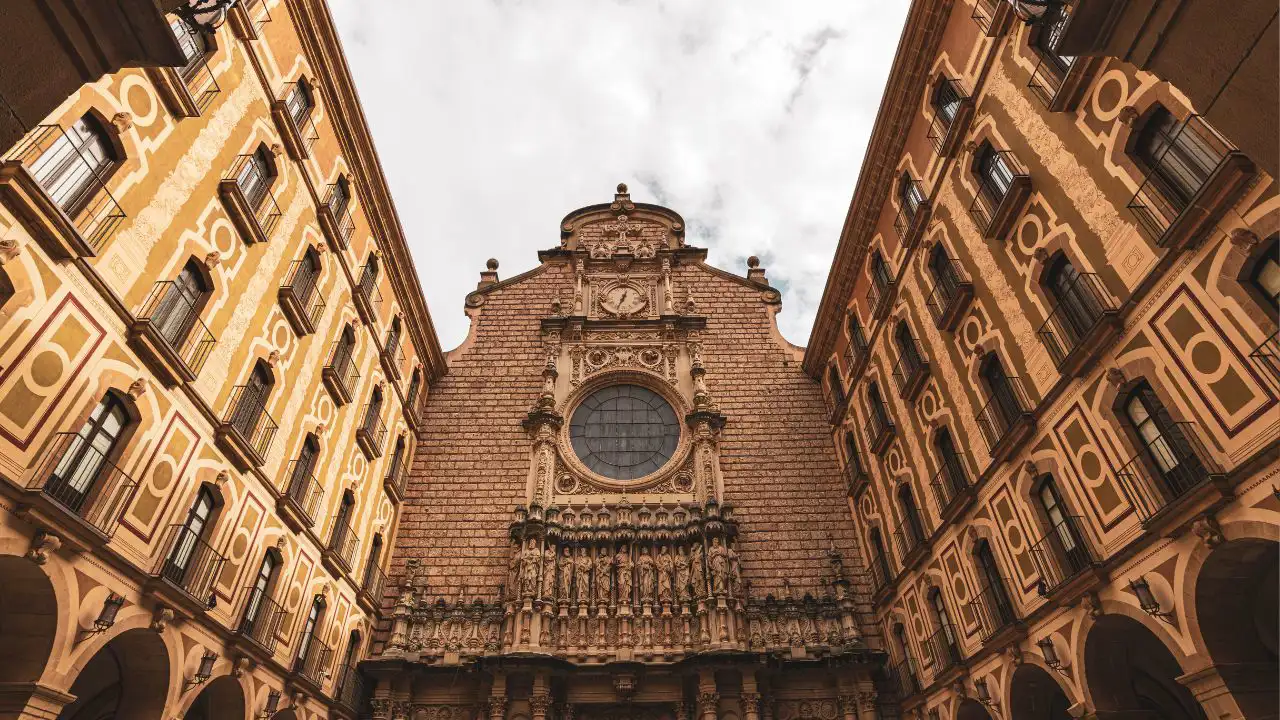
(301, 499)
(1059, 81)
(247, 430)
(185, 572)
(348, 689)
(394, 480)
(949, 299)
(335, 219)
(297, 129)
(254, 212)
(259, 624)
(1171, 476)
(906, 678)
(169, 336)
(839, 398)
(881, 580)
(371, 436)
(1266, 360)
(1062, 558)
(944, 652)
(371, 587)
(393, 361)
(994, 612)
(300, 302)
(339, 555)
(856, 477)
(952, 489)
(77, 493)
(368, 299)
(1083, 324)
(186, 91)
(992, 16)
(911, 540)
(911, 371)
(1187, 192)
(57, 196)
(995, 208)
(311, 665)
(1006, 420)
(910, 222)
(247, 18)
(880, 429)
(857, 353)
(880, 298)
(945, 134)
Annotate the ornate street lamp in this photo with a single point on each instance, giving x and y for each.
(273, 702)
(204, 15)
(1147, 599)
(204, 672)
(1049, 653)
(1032, 11)
(983, 693)
(107, 616)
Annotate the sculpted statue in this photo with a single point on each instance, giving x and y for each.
(646, 568)
(718, 562)
(682, 575)
(665, 566)
(604, 586)
(623, 562)
(549, 573)
(582, 577)
(697, 571)
(566, 575)
(513, 569)
(529, 568)
(735, 572)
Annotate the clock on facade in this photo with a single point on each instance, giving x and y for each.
(623, 300)
(624, 432)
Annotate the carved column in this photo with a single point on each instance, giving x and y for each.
(497, 708)
(539, 706)
(708, 698)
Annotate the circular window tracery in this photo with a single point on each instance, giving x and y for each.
(624, 432)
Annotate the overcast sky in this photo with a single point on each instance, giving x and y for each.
(495, 118)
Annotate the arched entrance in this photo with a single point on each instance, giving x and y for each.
(1132, 674)
(127, 678)
(1035, 695)
(28, 627)
(221, 699)
(1236, 604)
(972, 710)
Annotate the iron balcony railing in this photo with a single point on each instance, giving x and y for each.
(80, 479)
(855, 469)
(985, 13)
(396, 475)
(342, 364)
(1082, 305)
(909, 368)
(951, 481)
(1061, 555)
(909, 208)
(1189, 158)
(1052, 68)
(69, 179)
(176, 319)
(950, 284)
(349, 687)
(301, 282)
(248, 416)
(373, 582)
(857, 345)
(304, 490)
(880, 427)
(300, 116)
(374, 430)
(196, 75)
(395, 359)
(949, 95)
(339, 204)
(260, 618)
(1166, 468)
(1005, 408)
(258, 194)
(312, 660)
(910, 536)
(189, 563)
(994, 609)
(1266, 358)
(368, 289)
(943, 649)
(906, 678)
(343, 543)
(881, 573)
(879, 292)
(992, 191)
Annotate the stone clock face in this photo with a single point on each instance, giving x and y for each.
(624, 432)
(623, 300)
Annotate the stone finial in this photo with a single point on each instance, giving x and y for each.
(488, 276)
(622, 188)
(754, 271)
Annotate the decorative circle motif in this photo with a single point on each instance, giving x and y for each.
(683, 482)
(624, 432)
(566, 484)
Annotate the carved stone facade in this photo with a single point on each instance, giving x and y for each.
(629, 594)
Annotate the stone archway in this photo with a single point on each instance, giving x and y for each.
(972, 710)
(221, 699)
(28, 627)
(127, 678)
(1131, 674)
(1236, 604)
(1035, 695)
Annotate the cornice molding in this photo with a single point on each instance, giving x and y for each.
(917, 48)
(323, 48)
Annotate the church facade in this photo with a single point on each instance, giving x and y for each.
(629, 506)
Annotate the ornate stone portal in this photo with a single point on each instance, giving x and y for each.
(625, 595)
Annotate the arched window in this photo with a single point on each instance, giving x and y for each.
(195, 45)
(857, 338)
(998, 606)
(1046, 35)
(256, 176)
(909, 195)
(346, 686)
(880, 557)
(180, 306)
(876, 402)
(1179, 162)
(945, 101)
(371, 567)
(308, 633)
(300, 478)
(369, 276)
(912, 526)
(1063, 534)
(943, 270)
(411, 397)
(373, 411)
(880, 274)
(76, 164)
(340, 196)
(1077, 302)
(949, 647)
(853, 456)
(994, 175)
(342, 520)
(397, 459)
(1165, 448)
(393, 336)
(900, 640)
(836, 384)
(98, 443)
(908, 353)
(344, 349)
(950, 465)
(252, 402)
(187, 554)
(1262, 274)
(307, 275)
(260, 593)
(1000, 392)
(299, 102)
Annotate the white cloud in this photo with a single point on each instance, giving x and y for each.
(495, 118)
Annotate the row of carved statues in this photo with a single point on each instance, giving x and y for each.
(636, 574)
